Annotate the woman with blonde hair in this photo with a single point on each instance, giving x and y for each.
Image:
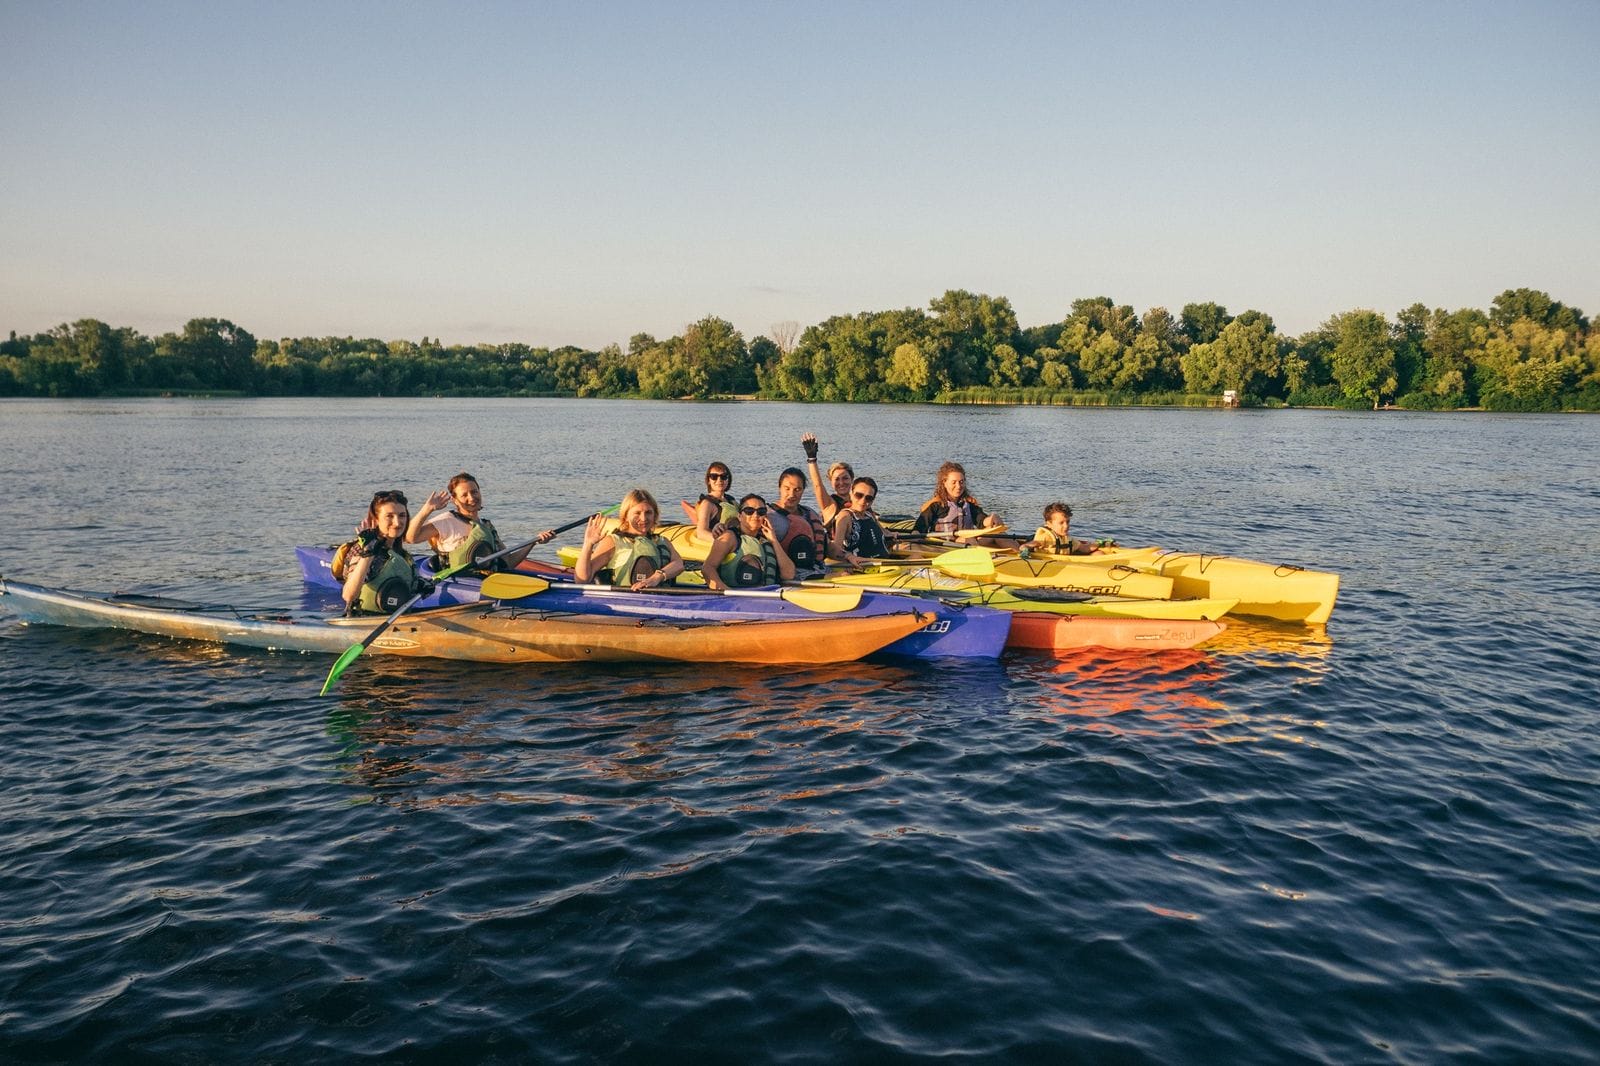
(633, 555)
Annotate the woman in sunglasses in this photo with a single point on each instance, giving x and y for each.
(715, 510)
(748, 554)
(379, 575)
(857, 536)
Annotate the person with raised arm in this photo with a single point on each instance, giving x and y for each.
(835, 495)
(633, 555)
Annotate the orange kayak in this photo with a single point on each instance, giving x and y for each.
(1050, 633)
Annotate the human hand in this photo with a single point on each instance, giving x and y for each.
(438, 500)
(809, 443)
(546, 537)
(594, 530)
(367, 541)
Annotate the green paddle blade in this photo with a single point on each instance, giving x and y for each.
(350, 655)
(965, 562)
(511, 586)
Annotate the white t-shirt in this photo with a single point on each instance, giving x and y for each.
(445, 531)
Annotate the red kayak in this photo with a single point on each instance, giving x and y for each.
(1050, 633)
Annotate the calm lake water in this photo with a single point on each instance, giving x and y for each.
(1376, 843)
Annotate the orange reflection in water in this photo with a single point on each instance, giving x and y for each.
(1163, 690)
(1145, 693)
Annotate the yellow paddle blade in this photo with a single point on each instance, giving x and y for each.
(991, 531)
(824, 600)
(965, 562)
(511, 586)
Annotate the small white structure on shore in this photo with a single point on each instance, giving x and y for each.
(1230, 398)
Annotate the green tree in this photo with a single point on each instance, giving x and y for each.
(1525, 366)
(1247, 356)
(909, 371)
(1537, 306)
(1202, 323)
(965, 330)
(1363, 356)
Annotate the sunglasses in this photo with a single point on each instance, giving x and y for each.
(719, 477)
(757, 511)
(389, 496)
(865, 497)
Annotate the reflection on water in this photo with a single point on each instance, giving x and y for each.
(515, 731)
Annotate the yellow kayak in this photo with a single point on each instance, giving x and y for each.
(1287, 593)
(923, 579)
(1075, 576)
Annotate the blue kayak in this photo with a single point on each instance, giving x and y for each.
(957, 631)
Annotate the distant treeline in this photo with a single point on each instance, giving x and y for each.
(1528, 352)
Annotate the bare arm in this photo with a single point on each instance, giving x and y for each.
(785, 564)
(594, 552)
(419, 521)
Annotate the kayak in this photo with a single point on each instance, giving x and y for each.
(481, 632)
(1113, 580)
(1032, 631)
(1287, 593)
(923, 579)
(957, 630)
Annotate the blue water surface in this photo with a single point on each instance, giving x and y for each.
(1371, 843)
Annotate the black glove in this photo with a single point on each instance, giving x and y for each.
(367, 542)
(810, 447)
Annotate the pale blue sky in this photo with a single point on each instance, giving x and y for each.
(575, 173)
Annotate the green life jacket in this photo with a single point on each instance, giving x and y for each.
(391, 581)
(750, 564)
(483, 540)
(628, 553)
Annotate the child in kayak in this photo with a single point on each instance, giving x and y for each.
(952, 508)
(1054, 536)
(631, 556)
(380, 576)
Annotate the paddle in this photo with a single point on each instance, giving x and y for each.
(827, 600)
(352, 653)
(976, 559)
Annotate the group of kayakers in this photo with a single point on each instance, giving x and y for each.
(746, 540)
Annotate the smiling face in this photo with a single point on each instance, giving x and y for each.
(391, 519)
(862, 495)
(955, 485)
(638, 518)
(468, 499)
(841, 476)
(752, 509)
(718, 481)
(1058, 524)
